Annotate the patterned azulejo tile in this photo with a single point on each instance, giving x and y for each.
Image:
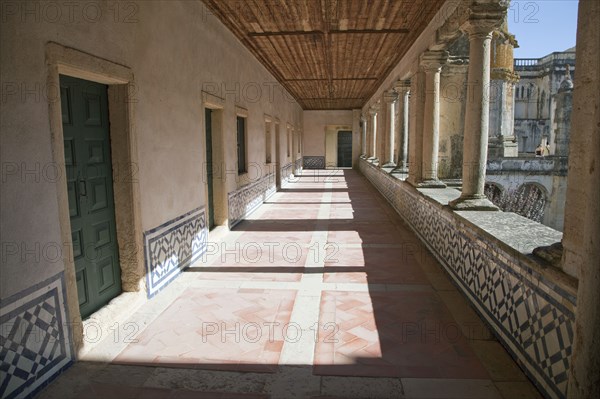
(173, 246)
(536, 327)
(35, 338)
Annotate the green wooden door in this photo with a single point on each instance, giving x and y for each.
(209, 169)
(344, 159)
(90, 189)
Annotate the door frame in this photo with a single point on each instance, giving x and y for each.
(217, 105)
(333, 129)
(61, 60)
(210, 186)
(338, 147)
(278, 164)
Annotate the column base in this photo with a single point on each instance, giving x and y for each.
(389, 165)
(400, 169)
(413, 181)
(431, 184)
(473, 203)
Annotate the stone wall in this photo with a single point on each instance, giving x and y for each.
(488, 256)
(548, 173)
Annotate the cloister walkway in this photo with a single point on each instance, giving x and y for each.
(322, 292)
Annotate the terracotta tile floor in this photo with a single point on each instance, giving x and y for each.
(330, 295)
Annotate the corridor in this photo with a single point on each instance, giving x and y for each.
(322, 292)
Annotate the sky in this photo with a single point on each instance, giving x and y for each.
(542, 26)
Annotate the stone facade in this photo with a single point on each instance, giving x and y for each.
(535, 98)
(512, 176)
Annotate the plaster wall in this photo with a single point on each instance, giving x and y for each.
(172, 69)
(315, 125)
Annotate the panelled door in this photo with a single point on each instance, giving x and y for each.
(209, 169)
(90, 190)
(344, 158)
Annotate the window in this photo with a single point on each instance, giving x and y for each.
(241, 144)
(268, 143)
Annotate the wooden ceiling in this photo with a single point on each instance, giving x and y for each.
(329, 54)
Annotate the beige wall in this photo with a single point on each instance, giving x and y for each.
(171, 67)
(315, 125)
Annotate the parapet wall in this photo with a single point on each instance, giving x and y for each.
(530, 308)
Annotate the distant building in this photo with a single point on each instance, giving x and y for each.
(534, 187)
(535, 98)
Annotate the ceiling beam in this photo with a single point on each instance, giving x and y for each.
(325, 80)
(333, 32)
(332, 99)
(286, 33)
(369, 31)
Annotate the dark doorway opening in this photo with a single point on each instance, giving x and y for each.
(344, 152)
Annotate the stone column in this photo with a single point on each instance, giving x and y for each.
(389, 98)
(363, 124)
(485, 18)
(402, 87)
(502, 140)
(381, 131)
(581, 239)
(431, 63)
(373, 130)
(415, 133)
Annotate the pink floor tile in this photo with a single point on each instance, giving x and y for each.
(415, 337)
(374, 265)
(216, 329)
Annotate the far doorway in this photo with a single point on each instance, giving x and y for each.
(344, 149)
(209, 169)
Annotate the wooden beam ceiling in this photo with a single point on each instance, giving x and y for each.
(329, 54)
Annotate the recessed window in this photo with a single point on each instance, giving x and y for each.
(268, 143)
(241, 145)
(289, 142)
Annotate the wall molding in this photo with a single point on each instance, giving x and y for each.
(172, 247)
(529, 313)
(36, 338)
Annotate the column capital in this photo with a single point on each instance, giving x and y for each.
(402, 86)
(363, 118)
(433, 61)
(390, 96)
(485, 17)
(374, 109)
